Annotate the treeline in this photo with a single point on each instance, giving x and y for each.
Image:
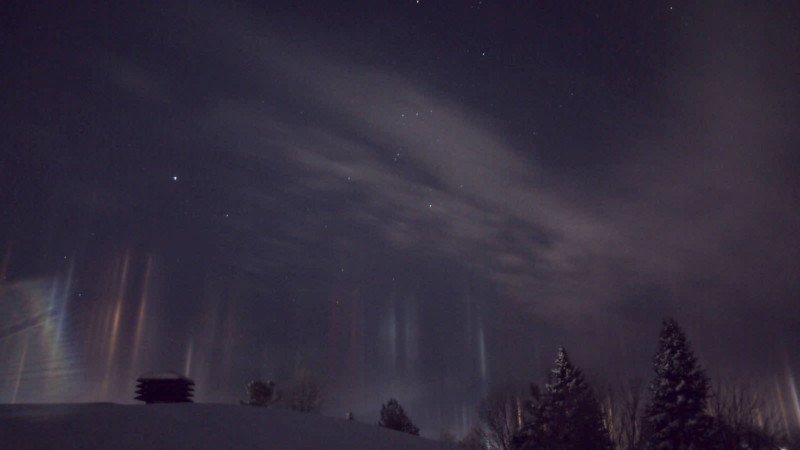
(679, 410)
(305, 393)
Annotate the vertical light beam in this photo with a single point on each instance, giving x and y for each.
(781, 404)
(482, 352)
(187, 366)
(794, 397)
(20, 370)
(115, 320)
(140, 315)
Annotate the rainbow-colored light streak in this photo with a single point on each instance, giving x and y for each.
(87, 340)
(119, 328)
(37, 359)
(142, 311)
(113, 323)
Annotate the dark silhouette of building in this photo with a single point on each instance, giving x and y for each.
(164, 387)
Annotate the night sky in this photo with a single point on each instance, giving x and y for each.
(412, 199)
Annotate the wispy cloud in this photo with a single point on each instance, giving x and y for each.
(701, 211)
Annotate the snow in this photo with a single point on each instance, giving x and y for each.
(161, 376)
(190, 426)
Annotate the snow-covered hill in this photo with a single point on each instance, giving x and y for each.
(190, 426)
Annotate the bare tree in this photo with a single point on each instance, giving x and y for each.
(630, 413)
(261, 393)
(305, 393)
(475, 439)
(622, 408)
(501, 416)
(448, 437)
(744, 419)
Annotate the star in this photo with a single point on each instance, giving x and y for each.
(174, 178)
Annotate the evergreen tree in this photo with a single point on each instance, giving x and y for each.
(393, 417)
(568, 415)
(676, 416)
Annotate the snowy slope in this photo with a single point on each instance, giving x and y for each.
(189, 426)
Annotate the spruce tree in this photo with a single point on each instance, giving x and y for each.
(676, 416)
(393, 417)
(568, 415)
